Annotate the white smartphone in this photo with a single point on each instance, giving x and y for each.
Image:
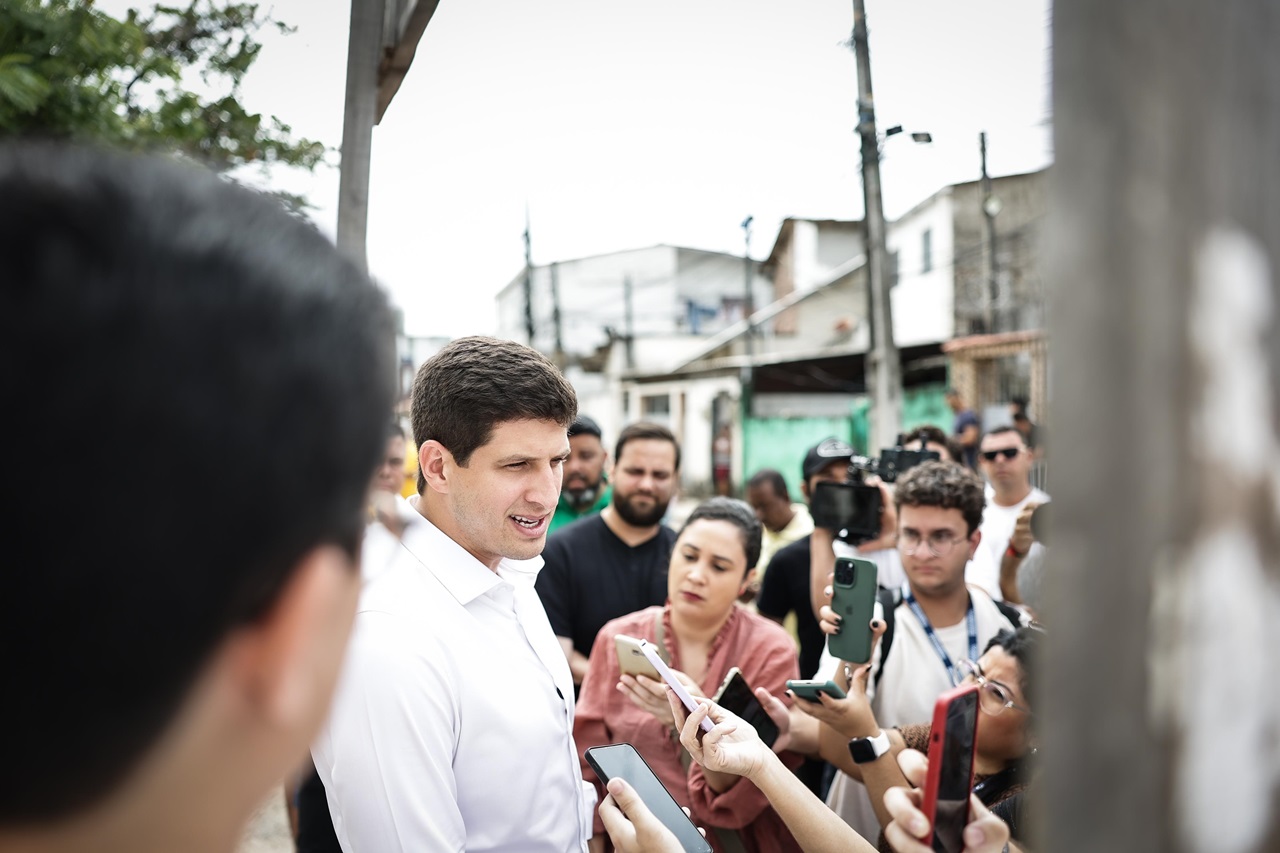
(651, 653)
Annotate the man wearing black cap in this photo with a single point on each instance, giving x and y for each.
(585, 489)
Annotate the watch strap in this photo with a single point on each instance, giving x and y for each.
(866, 749)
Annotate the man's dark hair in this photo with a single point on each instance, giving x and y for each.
(773, 479)
(945, 485)
(223, 377)
(930, 434)
(735, 512)
(1002, 430)
(462, 393)
(643, 430)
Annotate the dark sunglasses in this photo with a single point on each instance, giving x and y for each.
(1006, 452)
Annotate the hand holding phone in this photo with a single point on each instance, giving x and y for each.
(952, 741)
(651, 653)
(621, 761)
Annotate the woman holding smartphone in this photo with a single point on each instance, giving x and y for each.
(703, 632)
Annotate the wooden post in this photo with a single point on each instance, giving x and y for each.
(1162, 683)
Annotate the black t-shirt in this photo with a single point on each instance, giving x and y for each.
(592, 576)
(786, 588)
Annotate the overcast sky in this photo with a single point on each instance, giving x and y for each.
(622, 125)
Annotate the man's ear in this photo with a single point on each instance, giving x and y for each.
(804, 490)
(974, 541)
(286, 663)
(435, 460)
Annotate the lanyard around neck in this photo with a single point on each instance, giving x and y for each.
(970, 621)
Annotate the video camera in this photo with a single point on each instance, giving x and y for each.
(852, 509)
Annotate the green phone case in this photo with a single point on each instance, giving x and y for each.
(853, 596)
(809, 690)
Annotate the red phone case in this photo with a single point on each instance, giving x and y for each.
(938, 758)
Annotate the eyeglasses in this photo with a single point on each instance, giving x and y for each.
(940, 542)
(1006, 452)
(992, 697)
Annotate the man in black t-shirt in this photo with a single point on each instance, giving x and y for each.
(608, 565)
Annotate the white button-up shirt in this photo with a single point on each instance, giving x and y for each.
(451, 727)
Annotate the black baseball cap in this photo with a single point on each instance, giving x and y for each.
(823, 454)
(584, 426)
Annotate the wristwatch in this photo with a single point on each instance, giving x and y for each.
(865, 749)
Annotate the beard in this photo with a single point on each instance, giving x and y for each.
(582, 494)
(637, 517)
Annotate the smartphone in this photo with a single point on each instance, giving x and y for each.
(621, 761)
(651, 652)
(735, 695)
(853, 596)
(809, 689)
(850, 509)
(631, 659)
(952, 741)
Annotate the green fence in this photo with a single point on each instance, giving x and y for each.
(780, 443)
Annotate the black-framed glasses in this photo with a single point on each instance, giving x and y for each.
(993, 697)
(940, 542)
(1006, 452)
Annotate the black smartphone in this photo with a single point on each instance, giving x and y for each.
(735, 695)
(621, 761)
(853, 508)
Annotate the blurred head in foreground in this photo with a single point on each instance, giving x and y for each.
(170, 654)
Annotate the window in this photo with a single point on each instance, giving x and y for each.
(655, 405)
(926, 251)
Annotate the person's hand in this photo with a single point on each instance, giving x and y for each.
(851, 716)
(909, 830)
(1022, 539)
(731, 747)
(630, 824)
(651, 695)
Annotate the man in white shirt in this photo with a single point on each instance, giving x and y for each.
(1006, 463)
(451, 726)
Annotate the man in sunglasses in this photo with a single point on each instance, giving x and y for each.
(1006, 463)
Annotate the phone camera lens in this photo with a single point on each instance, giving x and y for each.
(844, 575)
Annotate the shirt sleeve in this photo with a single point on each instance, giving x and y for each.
(589, 726)
(554, 587)
(388, 747)
(738, 807)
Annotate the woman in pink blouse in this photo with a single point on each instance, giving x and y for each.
(704, 632)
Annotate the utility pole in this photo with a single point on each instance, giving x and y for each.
(364, 53)
(528, 281)
(628, 322)
(884, 372)
(555, 313)
(1160, 702)
(990, 207)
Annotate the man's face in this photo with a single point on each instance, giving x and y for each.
(390, 474)
(922, 530)
(954, 402)
(644, 478)
(584, 469)
(835, 471)
(773, 510)
(1003, 471)
(502, 501)
(941, 449)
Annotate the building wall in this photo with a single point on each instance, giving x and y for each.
(690, 414)
(922, 298)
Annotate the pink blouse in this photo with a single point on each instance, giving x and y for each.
(767, 657)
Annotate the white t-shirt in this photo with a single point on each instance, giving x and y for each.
(997, 526)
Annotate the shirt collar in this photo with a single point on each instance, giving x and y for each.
(465, 577)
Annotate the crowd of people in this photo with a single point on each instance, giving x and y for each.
(430, 671)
